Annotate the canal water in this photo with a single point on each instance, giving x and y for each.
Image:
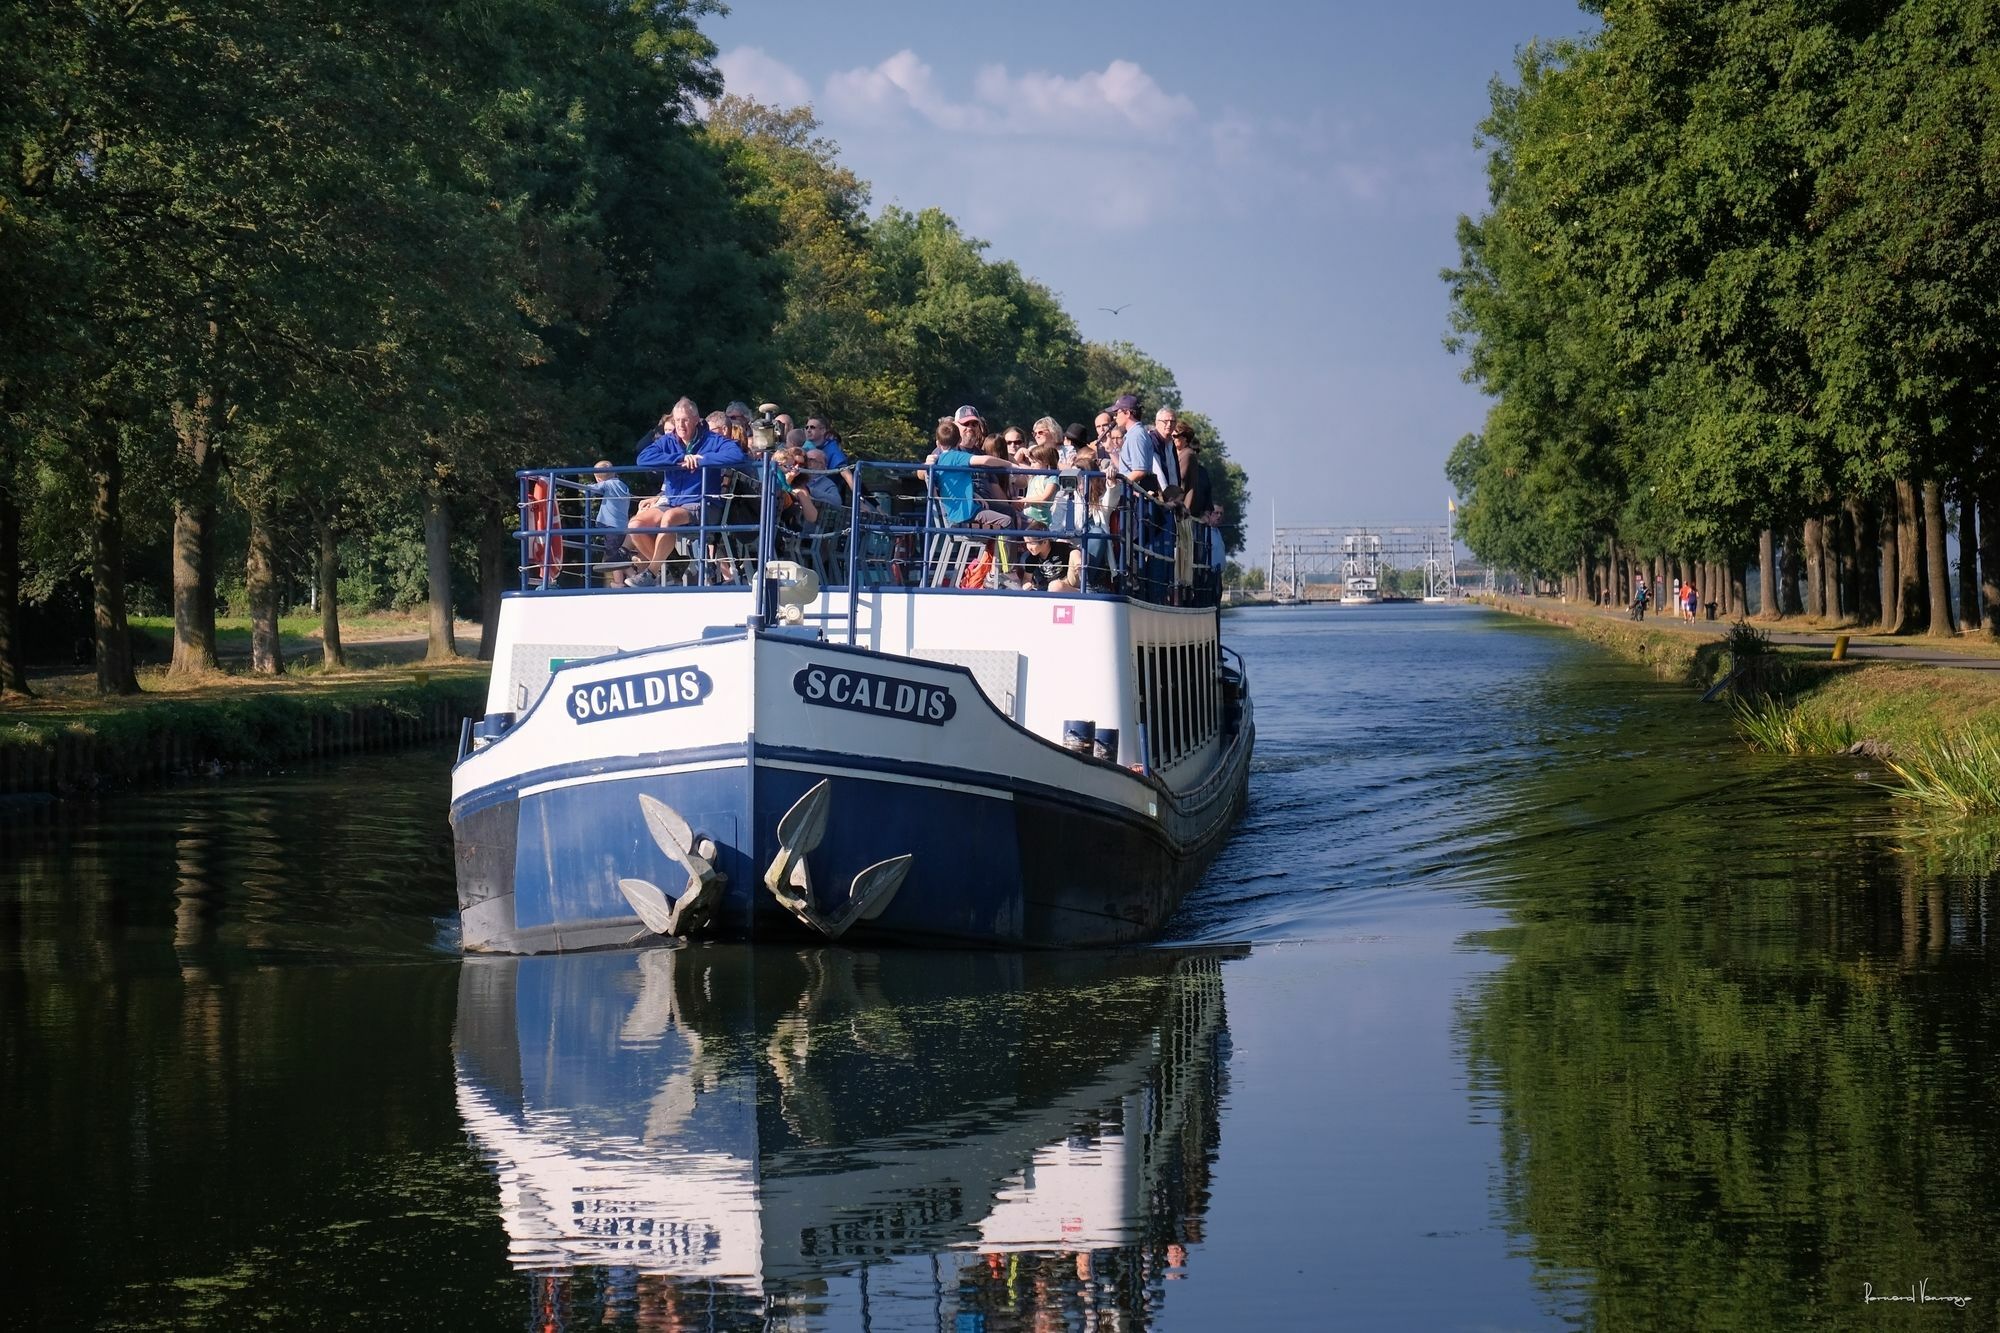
(1523, 998)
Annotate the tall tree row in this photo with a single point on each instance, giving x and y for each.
(1735, 295)
(282, 277)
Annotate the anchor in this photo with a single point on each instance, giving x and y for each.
(800, 830)
(696, 855)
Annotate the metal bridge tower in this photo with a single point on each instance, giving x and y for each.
(1318, 563)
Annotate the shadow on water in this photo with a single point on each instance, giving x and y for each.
(347, 860)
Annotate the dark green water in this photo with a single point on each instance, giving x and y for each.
(1560, 1009)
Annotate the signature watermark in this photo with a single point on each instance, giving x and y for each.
(1920, 1293)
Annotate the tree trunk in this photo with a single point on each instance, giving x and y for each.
(1864, 551)
(1791, 574)
(1833, 578)
(260, 589)
(1739, 591)
(111, 638)
(1989, 552)
(1888, 548)
(437, 561)
(1767, 575)
(327, 573)
(13, 651)
(1810, 539)
(1912, 610)
(492, 577)
(1968, 556)
(193, 549)
(1937, 564)
(1659, 581)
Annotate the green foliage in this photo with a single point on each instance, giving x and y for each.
(318, 261)
(1738, 258)
(1958, 774)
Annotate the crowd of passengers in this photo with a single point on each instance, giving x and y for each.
(1039, 507)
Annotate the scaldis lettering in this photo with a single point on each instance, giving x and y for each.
(647, 692)
(881, 696)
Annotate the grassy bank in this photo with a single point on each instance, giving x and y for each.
(65, 745)
(1937, 729)
(1671, 654)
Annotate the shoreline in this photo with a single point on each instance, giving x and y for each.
(154, 739)
(1909, 711)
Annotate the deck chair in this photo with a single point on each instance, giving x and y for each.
(824, 548)
(948, 554)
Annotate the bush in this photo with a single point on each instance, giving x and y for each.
(361, 591)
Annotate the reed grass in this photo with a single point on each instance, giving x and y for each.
(1959, 774)
(1771, 724)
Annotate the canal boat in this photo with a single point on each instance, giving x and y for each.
(764, 1120)
(848, 727)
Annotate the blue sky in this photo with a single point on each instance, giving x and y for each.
(1270, 189)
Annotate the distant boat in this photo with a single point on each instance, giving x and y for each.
(1359, 592)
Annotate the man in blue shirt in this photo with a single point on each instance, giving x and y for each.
(819, 437)
(687, 453)
(1137, 458)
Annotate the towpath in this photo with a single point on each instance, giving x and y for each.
(1966, 653)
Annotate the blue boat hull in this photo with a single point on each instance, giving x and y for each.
(1043, 849)
(995, 865)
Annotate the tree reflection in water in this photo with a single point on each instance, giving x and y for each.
(1742, 1050)
(717, 1136)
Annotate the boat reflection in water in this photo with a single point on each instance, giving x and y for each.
(720, 1135)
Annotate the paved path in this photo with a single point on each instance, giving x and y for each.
(1873, 646)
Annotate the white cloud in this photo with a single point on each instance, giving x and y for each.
(1119, 101)
(751, 72)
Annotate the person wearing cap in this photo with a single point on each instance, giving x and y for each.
(951, 464)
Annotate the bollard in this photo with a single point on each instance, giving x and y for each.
(1840, 647)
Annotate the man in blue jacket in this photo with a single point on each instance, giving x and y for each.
(686, 453)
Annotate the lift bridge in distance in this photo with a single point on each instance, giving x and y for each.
(1361, 563)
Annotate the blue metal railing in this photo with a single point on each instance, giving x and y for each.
(903, 525)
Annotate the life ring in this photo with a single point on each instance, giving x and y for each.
(545, 549)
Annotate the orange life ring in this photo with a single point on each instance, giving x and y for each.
(545, 551)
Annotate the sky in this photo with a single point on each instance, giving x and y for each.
(1264, 192)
